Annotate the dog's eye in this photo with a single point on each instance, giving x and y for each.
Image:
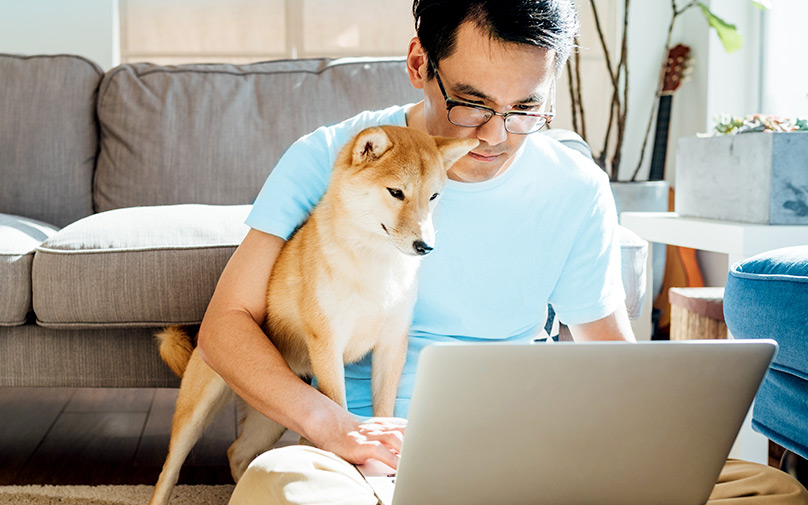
(433, 196)
(396, 193)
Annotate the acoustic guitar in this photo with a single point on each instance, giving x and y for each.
(681, 265)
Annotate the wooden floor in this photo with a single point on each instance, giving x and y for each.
(63, 436)
(101, 436)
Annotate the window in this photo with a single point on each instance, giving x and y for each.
(241, 31)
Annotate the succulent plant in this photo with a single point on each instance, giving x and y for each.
(726, 124)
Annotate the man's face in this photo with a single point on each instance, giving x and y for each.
(501, 75)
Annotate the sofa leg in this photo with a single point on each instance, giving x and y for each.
(796, 466)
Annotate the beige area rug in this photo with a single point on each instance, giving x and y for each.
(110, 495)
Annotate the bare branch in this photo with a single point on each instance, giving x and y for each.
(645, 138)
(601, 158)
(683, 9)
(621, 111)
(603, 43)
(579, 92)
(573, 98)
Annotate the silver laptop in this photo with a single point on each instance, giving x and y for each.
(573, 423)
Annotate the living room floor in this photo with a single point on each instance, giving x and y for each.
(94, 436)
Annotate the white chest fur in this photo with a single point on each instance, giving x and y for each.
(372, 298)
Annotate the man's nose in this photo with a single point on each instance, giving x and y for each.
(493, 132)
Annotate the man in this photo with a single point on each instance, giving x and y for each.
(522, 221)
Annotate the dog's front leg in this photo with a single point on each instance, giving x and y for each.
(389, 356)
(328, 367)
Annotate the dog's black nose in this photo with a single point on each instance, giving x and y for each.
(421, 247)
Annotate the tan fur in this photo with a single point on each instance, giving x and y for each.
(175, 348)
(343, 285)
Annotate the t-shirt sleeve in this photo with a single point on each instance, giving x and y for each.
(590, 286)
(294, 187)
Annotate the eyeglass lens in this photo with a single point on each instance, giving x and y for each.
(462, 115)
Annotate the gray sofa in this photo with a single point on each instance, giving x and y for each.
(123, 194)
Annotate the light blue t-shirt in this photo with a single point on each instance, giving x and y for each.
(544, 231)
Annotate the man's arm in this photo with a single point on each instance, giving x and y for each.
(233, 343)
(615, 326)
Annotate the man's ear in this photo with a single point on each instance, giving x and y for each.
(369, 145)
(417, 63)
(452, 149)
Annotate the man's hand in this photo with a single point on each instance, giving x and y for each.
(357, 440)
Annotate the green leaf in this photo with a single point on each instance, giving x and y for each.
(730, 38)
(762, 4)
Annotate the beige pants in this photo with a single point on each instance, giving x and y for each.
(307, 476)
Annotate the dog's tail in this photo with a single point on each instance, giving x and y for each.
(176, 345)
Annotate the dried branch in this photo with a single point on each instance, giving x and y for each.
(614, 110)
(600, 159)
(579, 91)
(621, 111)
(573, 101)
(612, 73)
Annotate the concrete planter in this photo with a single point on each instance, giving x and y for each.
(757, 178)
(644, 196)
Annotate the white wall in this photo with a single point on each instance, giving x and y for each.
(85, 27)
(785, 64)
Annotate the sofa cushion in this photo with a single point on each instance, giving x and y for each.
(48, 136)
(19, 236)
(781, 411)
(144, 266)
(766, 297)
(211, 133)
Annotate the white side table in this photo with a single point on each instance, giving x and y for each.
(738, 241)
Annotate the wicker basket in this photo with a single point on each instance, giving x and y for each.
(697, 313)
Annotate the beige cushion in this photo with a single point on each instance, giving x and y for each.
(48, 136)
(212, 133)
(143, 266)
(19, 236)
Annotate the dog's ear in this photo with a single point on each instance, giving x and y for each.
(369, 145)
(452, 149)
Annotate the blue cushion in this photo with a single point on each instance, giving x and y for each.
(766, 296)
(776, 413)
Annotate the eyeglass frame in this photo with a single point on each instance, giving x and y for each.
(452, 103)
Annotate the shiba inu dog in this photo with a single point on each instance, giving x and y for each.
(343, 285)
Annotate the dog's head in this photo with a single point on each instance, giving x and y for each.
(391, 178)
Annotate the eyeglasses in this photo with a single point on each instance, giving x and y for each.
(470, 115)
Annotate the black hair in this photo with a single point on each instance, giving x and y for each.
(549, 24)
